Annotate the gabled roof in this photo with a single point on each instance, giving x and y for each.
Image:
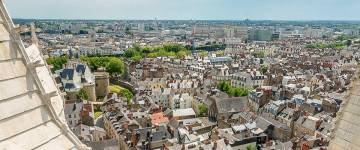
(80, 68)
(233, 105)
(67, 74)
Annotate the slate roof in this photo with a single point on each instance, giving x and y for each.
(263, 122)
(155, 135)
(233, 105)
(69, 85)
(67, 74)
(111, 144)
(80, 68)
(220, 59)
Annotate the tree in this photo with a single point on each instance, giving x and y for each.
(57, 62)
(250, 147)
(174, 47)
(83, 95)
(260, 54)
(203, 109)
(348, 43)
(181, 54)
(115, 66)
(224, 86)
(264, 69)
(203, 54)
(127, 94)
(232, 91)
(130, 53)
(136, 58)
(219, 53)
(127, 31)
(237, 92)
(126, 74)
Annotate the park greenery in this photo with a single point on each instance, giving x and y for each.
(251, 147)
(220, 53)
(345, 37)
(211, 47)
(259, 54)
(113, 65)
(128, 31)
(57, 62)
(203, 109)
(264, 69)
(225, 86)
(122, 91)
(97, 114)
(137, 52)
(203, 54)
(333, 45)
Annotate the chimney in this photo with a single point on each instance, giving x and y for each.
(165, 147)
(157, 127)
(215, 145)
(183, 147)
(143, 143)
(318, 123)
(201, 148)
(226, 141)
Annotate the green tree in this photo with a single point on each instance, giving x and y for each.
(181, 54)
(130, 53)
(348, 43)
(137, 48)
(115, 66)
(251, 147)
(245, 92)
(203, 54)
(127, 94)
(223, 86)
(232, 91)
(173, 47)
(203, 109)
(57, 62)
(220, 53)
(128, 30)
(83, 95)
(126, 74)
(264, 69)
(238, 92)
(136, 58)
(260, 54)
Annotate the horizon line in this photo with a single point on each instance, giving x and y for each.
(299, 20)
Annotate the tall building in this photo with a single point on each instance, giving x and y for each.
(31, 106)
(260, 35)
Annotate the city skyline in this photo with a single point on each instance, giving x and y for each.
(186, 10)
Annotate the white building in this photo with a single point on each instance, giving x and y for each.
(248, 79)
(180, 101)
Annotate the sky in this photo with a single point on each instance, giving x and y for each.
(186, 9)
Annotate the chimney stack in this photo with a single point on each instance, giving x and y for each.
(215, 145)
